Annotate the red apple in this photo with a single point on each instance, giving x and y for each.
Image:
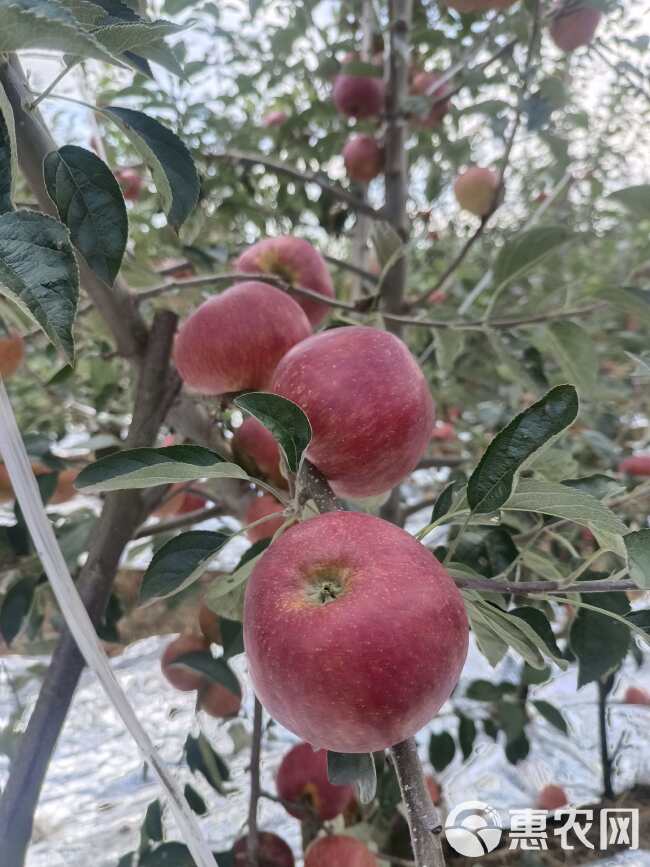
(130, 180)
(355, 634)
(234, 341)
(255, 448)
(181, 677)
(337, 850)
(272, 851)
(574, 26)
(363, 158)
(191, 503)
(443, 431)
(368, 403)
(551, 798)
(302, 779)
(6, 488)
(435, 789)
(12, 352)
(274, 118)
(219, 702)
(295, 261)
(424, 83)
(209, 624)
(478, 5)
(359, 96)
(635, 695)
(476, 190)
(65, 489)
(637, 465)
(260, 507)
(437, 297)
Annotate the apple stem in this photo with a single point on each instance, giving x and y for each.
(252, 849)
(423, 818)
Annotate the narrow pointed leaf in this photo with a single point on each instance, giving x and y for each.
(38, 272)
(167, 158)
(146, 468)
(90, 203)
(358, 769)
(8, 154)
(552, 715)
(527, 249)
(216, 670)
(492, 481)
(637, 546)
(286, 421)
(180, 562)
(636, 200)
(443, 503)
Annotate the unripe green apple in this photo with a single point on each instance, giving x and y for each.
(354, 632)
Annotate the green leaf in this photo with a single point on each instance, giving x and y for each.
(232, 637)
(90, 203)
(637, 546)
(50, 26)
(518, 748)
(512, 630)
(152, 825)
(562, 501)
(441, 750)
(286, 421)
(466, 735)
(629, 299)
(485, 690)
(640, 620)
(635, 199)
(168, 159)
(225, 595)
(180, 562)
(146, 468)
(196, 802)
(167, 855)
(138, 35)
(15, 607)
(574, 350)
(358, 769)
(202, 759)
(39, 273)
(492, 481)
(8, 151)
(552, 715)
(538, 621)
(598, 485)
(541, 565)
(216, 670)
(528, 248)
(443, 503)
(599, 642)
(489, 642)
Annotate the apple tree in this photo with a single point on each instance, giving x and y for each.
(367, 283)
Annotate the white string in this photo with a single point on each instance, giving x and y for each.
(28, 496)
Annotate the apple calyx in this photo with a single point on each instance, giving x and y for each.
(325, 590)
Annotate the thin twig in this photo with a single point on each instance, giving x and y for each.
(423, 818)
(306, 176)
(185, 520)
(48, 90)
(526, 587)
(256, 754)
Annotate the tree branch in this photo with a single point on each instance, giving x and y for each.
(423, 818)
(604, 689)
(122, 513)
(256, 754)
(306, 176)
